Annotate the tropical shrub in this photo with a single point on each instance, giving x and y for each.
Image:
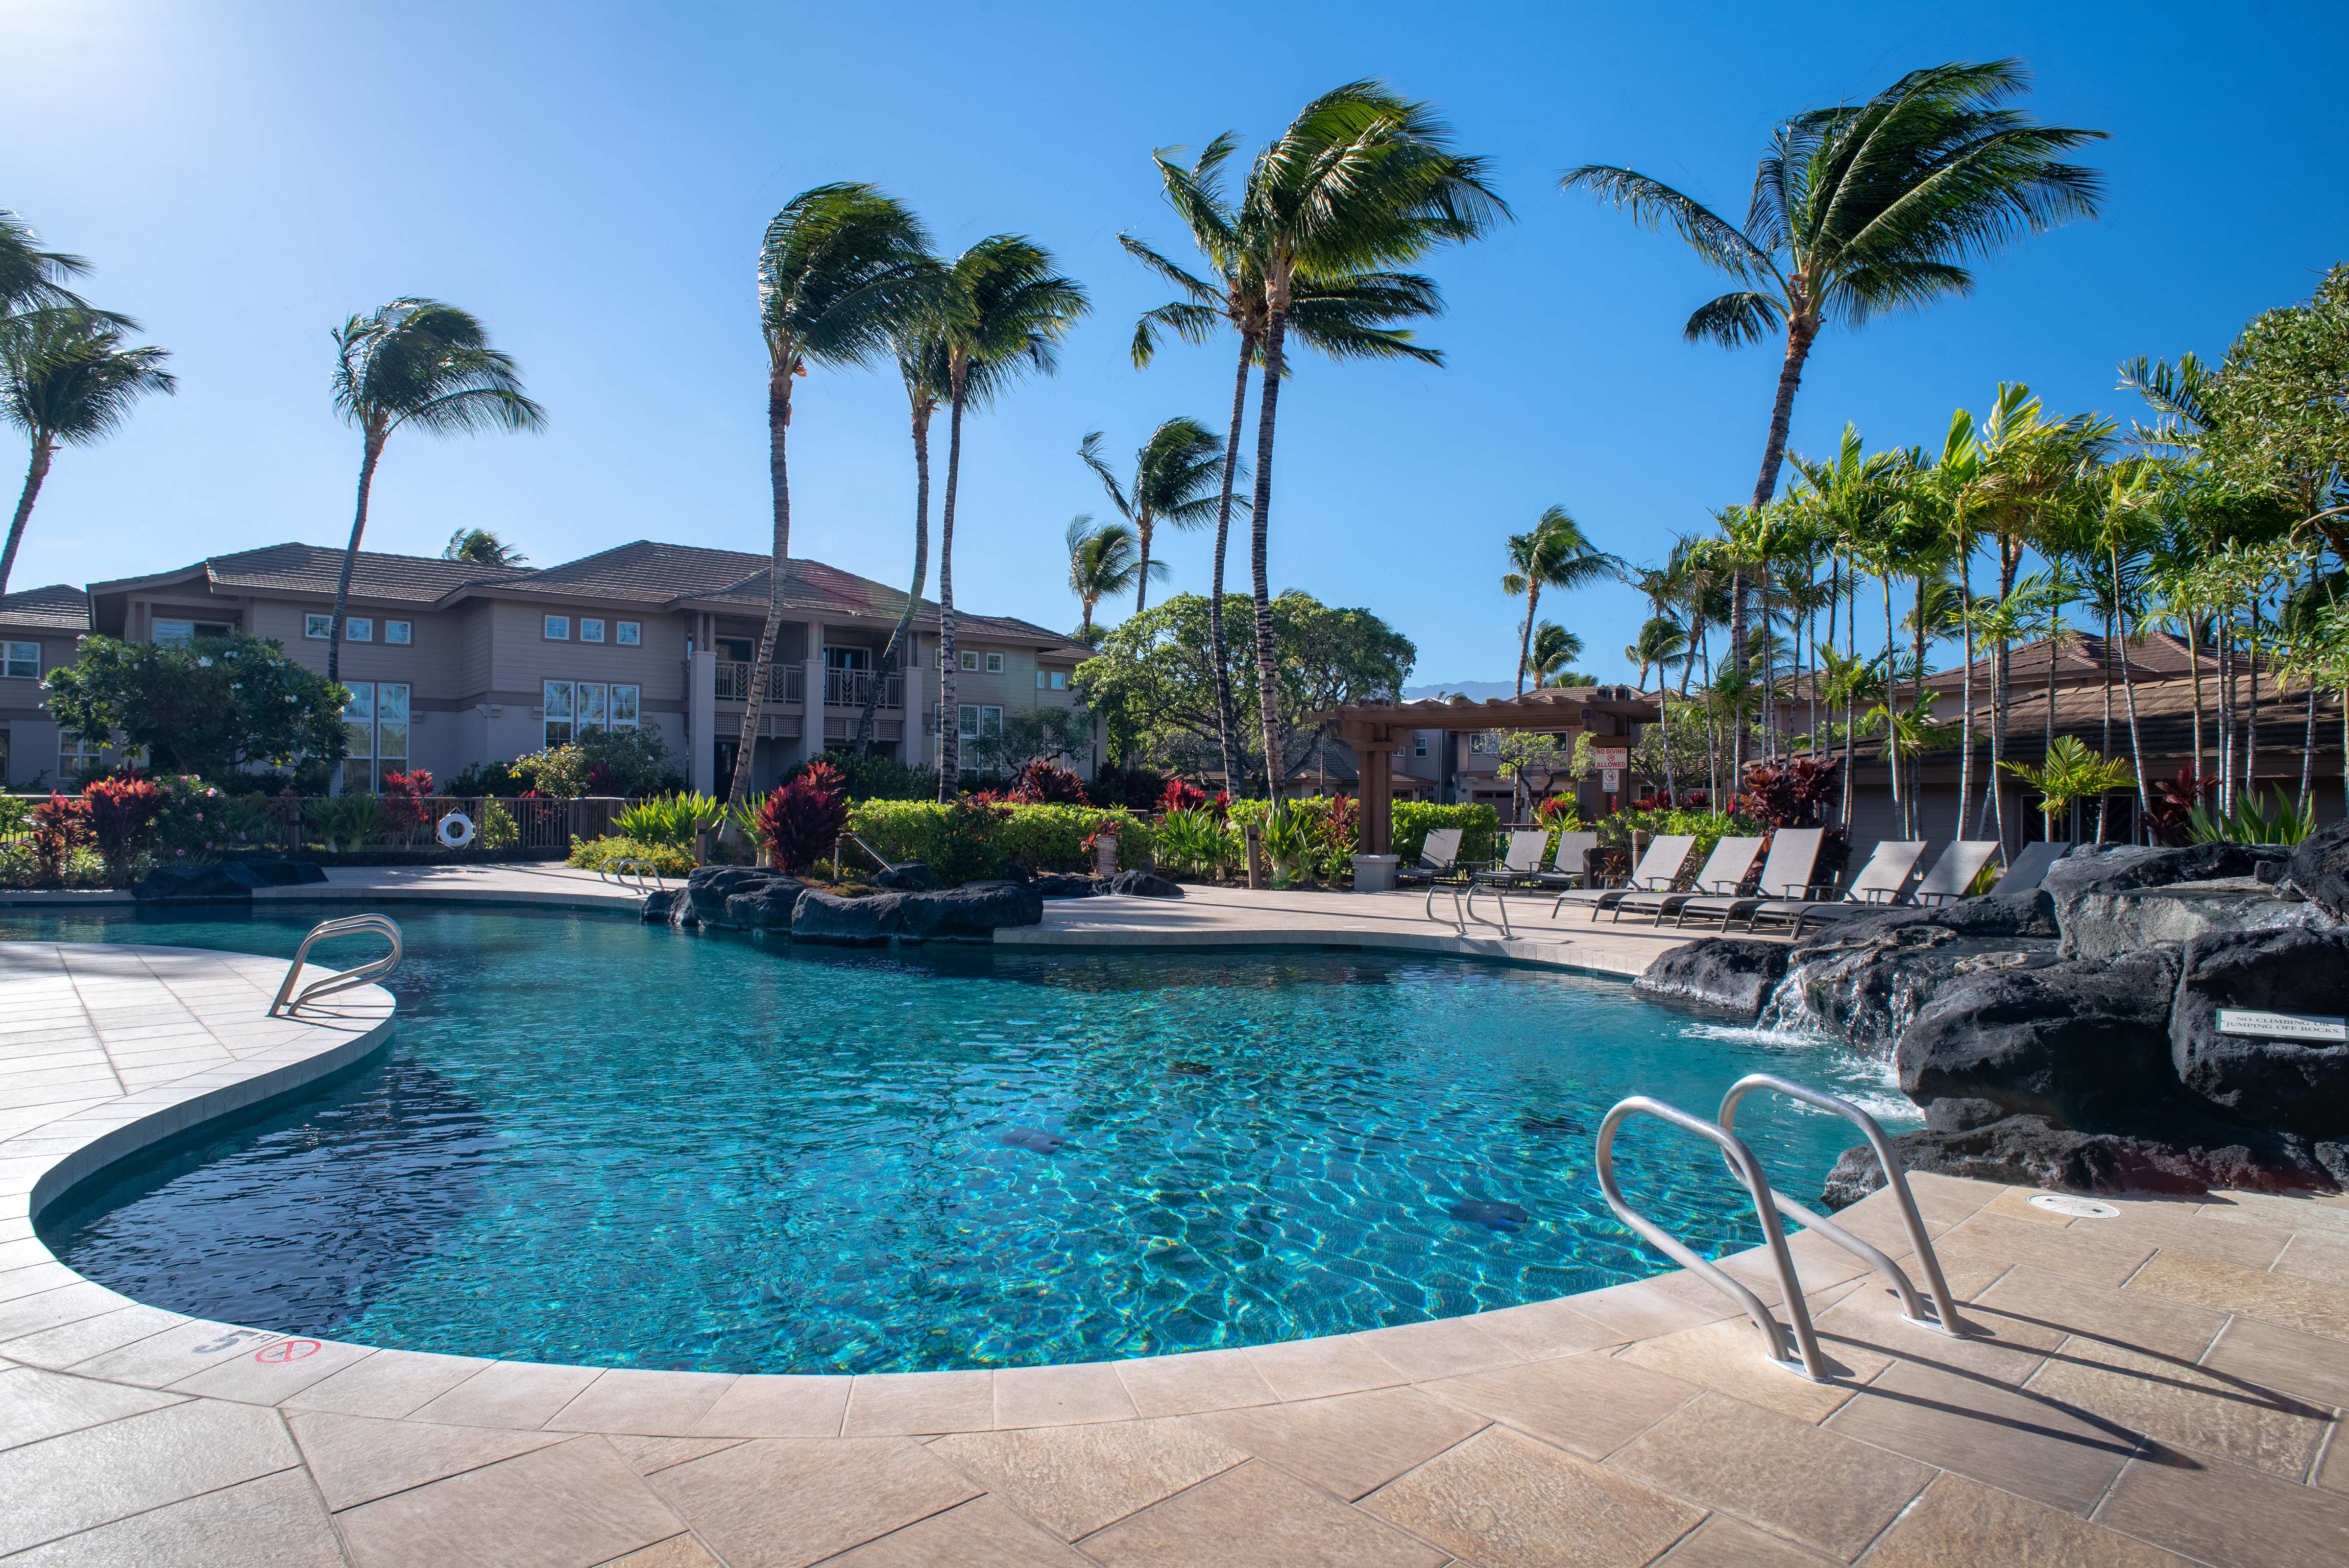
(344, 822)
(1135, 788)
(487, 778)
(594, 855)
(1414, 818)
(2171, 803)
(2072, 772)
(873, 777)
(1043, 838)
(968, 844)
(1796, 794)
(1045, 783)
(1194, 838)
(1290, 842)
(599, 762)
(671, 820)
(802, 820)
(60, 832)
(1707, 828)
(121, 814)
(211, 708)
(2280, 823)
(1181, 796)
(405, 809)
(497, 830)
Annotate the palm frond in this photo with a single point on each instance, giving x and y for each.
(1652, 205)
(1747, 316)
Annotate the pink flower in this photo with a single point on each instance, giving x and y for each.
(178, 851)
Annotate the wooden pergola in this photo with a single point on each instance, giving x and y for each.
(1377, 731)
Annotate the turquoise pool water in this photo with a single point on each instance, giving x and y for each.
(596, 1142)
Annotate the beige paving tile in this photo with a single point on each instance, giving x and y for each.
(276, 1371)
(980, 1534)
(2028, 1444)
(570, 1504)
(522, 1393)
(2186, 1407)
(2304, 1305)
(1061, 1395)
(2229, 1516)
(1444, 1347)
(1312, 1368)
(2291, 1213)
(1960, 1524)
(2318, 1257)
(2029, 1305)
(632, 1399)
(1731, 1357)
(36, 1279)
(1590, 1405)
(1253, 1516)
(1545, 1328)
(2176, 1229)
(778, 1406)
(2334, 1473)
(276, 1521)
(646, 1455)
(2282, 1360)
(32, 1314)
(781, 1503)
(1642, 1310)
(387, 1383)
(1201, 1380)
(98, 1474)
(676, 1551)
(900, 1403)
(1074, 1480)
(1347, 1443)
(35, 1404)
(1795, 1480)
(357, 1458)
(186, 1347)
(1995, 1239)
(1505, 1502)
(1994, 1346)
(1722, 1542)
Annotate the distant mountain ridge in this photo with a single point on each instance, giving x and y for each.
(1476, 691)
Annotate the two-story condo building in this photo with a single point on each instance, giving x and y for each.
(452, 663)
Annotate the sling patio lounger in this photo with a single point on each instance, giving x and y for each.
(1437, 857)
(2029, 869)
(1656, 872)
(1725, 870)
(1876, 887)
(1520, 864)
(1786, 875)
(1566, 866)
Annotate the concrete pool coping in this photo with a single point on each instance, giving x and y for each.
(2143, 1377)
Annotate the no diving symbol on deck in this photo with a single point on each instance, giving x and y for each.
(287, 1350)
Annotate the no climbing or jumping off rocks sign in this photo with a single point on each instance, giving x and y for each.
(2314, 1028)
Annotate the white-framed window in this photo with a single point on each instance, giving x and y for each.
(400, 633)
(626, 702)
(391, 725)
(558, 628)
(1040, 680)
(591, 628)
(175, 634)
(359, 629)
(995, 664)
(969, 659)
(76, 754)
(1419, 746)
(1485, 743)
(1060, 680)
(358, 724)
(20, 661)
(574, 707)
(628, 633)
(376, 720)
(973, 721)
(556, 706)
(318, 624)
(938, 657)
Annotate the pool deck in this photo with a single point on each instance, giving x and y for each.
(2161, 1386)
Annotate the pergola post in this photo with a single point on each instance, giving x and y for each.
(1377, 760)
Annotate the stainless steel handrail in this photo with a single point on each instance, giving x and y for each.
(1757, 1186)
(287, 1003)
(620, 867)
(1943, 1316)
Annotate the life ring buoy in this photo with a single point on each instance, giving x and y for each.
(456, 830)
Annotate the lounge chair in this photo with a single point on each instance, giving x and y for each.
(1566, 867)
(1725, 870)
(1520, 864)
(1786, 875)
(1656, 872)
(1877, 886)
(1955, 871)
(2029, 869)
(1438, 857)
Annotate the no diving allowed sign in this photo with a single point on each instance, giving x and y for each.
(2314, 1028)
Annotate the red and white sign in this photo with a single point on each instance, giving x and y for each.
(1611, 756)
(1610, 780)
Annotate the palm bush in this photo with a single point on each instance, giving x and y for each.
(2280, 822)
(1193, 839)
(1290, 841)
(2073, 772)
(672, 820)
(344, 822)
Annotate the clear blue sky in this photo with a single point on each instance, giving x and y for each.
(593, 180)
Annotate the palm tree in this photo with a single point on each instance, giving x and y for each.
(1554, 553)
(922, 366)
(1001, 310)
(1860, 210)
(66, 378)
(33, 280)
(1344, 314)
(1555, 649)
(1104, 560)
(1360, 179)
(841, 269)
(1175, 475)
(482, 547)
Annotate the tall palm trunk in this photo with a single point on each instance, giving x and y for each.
(2193, 641)
(1891, 717)
(778, 481)
(949, 663)
(44, 448)
(2226, 719)
(1525, 633)
(1226, 724)
(371, 454)
(898, 637)
(1799, 334)
(2252, 718)
(1915, 819)
(1267, 667)
(2001, 689)
(2128, 699)
(1966, 696)
(2308, 755)
(1142, 522)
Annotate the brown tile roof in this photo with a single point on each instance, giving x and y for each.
(59, 607)
(651, 571)
(314, 569)
(1010, 629)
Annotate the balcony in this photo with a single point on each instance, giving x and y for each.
(785, 683)
(848, 688)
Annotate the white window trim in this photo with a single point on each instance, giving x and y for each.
(995, 664)
(358, 628)
(546, 625)
(587, 620)
(14, 653)
(628, 633)
(407, 639)
(317, 625)
(969, 660)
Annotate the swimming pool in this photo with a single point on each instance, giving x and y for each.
(595, 1141)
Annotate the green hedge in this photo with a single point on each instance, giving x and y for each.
(1412, 819)
(1043, 838)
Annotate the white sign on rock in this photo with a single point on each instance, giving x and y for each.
(2314, 1028)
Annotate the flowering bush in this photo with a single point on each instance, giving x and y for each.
(801, 821)
(1045, 838)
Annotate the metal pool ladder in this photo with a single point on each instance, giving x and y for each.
(288, 1003)
(1768, 1204)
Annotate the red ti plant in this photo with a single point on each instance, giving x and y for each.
(2170, 804)
(121, 814)
(60, 826)
(1044, 783)
(1338, 824)
(1795, 794)
(801, 821)
(1182, 797)
(403, 801)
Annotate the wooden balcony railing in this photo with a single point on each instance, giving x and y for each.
(785, 683)
(847, 688)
